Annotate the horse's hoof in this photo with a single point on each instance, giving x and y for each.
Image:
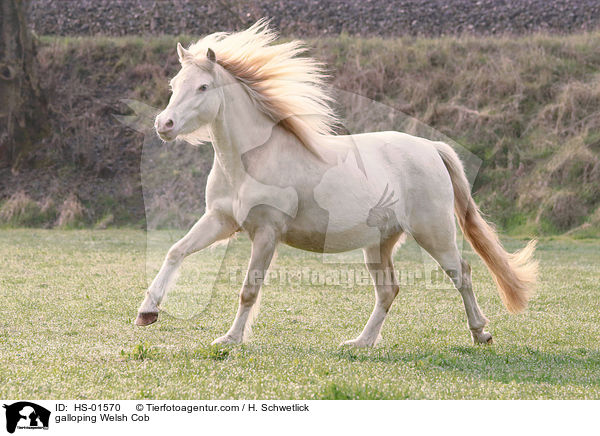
(482, 337)
(146, 318)
(226, 340)
(355, 343)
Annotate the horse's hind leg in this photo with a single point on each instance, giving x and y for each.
(440, 242)
(476, 320)
(209, 229)
(381, 267)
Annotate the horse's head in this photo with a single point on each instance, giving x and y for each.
(195, 100)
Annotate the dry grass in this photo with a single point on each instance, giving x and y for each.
(527, 106)
(18, 208)
(21, 210)
(71, 213)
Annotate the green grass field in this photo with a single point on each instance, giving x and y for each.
(69, 299)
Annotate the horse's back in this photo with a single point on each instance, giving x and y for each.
(395, 155)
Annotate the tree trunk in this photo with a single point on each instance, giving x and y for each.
(23, 117)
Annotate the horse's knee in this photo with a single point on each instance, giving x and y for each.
(386, 296)
(176, 253)
(248, 295)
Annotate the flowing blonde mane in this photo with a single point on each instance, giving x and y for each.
(285, 86)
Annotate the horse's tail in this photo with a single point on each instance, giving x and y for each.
(515, 274)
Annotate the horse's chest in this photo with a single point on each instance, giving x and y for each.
(253, 193)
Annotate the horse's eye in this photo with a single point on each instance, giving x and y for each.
(203, 88)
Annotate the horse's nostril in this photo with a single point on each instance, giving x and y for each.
(169, 124)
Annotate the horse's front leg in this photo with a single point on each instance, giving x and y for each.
(212, 227)
(264, 243)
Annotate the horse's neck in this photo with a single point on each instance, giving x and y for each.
(238, 128)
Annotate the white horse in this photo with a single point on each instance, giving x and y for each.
(277, 166)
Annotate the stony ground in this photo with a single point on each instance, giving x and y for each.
(315, 17)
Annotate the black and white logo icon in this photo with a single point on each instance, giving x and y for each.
(26, 415)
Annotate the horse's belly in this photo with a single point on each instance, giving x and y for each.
(333, 240)
(351, 239)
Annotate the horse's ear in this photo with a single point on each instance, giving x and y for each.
(182, 52)
(211, 55)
